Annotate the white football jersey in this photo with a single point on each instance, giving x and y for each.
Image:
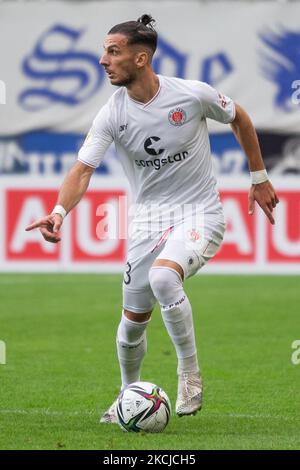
(163, 146)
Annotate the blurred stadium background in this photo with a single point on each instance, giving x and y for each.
(54, 88)
(51, 87)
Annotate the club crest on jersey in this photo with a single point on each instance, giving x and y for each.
(177, 116)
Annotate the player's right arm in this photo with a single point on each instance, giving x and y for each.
(78, 178)
(71, 192)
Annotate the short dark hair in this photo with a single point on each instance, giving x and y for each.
(140, 31)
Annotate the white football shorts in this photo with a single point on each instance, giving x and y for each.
(191, 244)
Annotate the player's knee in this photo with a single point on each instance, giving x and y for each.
(137, 317)
(131, 332)
(165, 283)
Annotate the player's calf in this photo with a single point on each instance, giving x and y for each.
(176, 311)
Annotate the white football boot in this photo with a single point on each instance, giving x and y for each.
(110, 415)
(189, 394)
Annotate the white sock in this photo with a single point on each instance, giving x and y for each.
(131, 348)
(177, 315)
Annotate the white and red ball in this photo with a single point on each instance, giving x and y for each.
(143, 406)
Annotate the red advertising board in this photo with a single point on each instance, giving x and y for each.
(22, 207)
(239, 244)
(94, 233)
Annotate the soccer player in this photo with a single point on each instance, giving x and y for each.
(159, 128)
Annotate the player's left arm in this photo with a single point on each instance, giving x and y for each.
(261, 189)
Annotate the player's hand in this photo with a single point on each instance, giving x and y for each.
(49, 227)
(264, 194)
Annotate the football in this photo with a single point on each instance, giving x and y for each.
(143, 406)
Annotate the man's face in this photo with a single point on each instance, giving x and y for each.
(118, 60)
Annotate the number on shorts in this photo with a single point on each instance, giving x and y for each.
(127, 277)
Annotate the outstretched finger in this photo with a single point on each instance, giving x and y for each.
(36, 224)
(269, 214)
(44, 222)
(250, 205)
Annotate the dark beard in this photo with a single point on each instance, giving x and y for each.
(125, 82)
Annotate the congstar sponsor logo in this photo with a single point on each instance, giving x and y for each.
(153, 147)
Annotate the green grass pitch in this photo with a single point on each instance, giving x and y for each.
(62, 371)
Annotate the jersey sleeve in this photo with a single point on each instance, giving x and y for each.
(98, 139)
(214, 105)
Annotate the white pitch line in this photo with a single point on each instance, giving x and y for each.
(254, 416)
(109, 279)
(47, 412)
